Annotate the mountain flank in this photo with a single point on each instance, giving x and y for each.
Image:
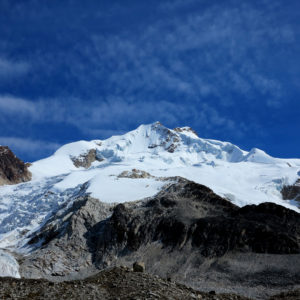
(186, 232)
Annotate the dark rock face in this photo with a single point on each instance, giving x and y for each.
(187, 213)
(12, 169)
(186, 232)
(291, 192)
(183, 214)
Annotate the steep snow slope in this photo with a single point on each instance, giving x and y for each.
(242, 177)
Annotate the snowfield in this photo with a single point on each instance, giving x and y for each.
(242, 177)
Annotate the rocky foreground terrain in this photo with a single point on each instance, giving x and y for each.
(114, 283)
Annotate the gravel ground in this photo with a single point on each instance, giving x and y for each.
(116, 283)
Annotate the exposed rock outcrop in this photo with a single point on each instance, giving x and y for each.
(135, 174)
(188, 129)
(12, 169)
(86, 160)
(291, 192)
(169, 141)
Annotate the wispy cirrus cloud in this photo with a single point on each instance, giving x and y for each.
(10, 68)
(216, 52)
(223, 67)
(208, 55)
(117, 114)
(14, 105)
(29, 147)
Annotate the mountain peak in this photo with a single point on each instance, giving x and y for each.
(164, 152)
(158, 126)
(151, 142)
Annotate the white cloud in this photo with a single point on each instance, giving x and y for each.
(111, 115)
(17, 106)
(9, 68)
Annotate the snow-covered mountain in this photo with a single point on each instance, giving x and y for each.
(137, 165)
(243, 177)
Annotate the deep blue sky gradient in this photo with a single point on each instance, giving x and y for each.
(72, 70)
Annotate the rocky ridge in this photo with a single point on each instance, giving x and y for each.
(12, 169)
(291, 192)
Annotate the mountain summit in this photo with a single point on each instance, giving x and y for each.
(177, 147)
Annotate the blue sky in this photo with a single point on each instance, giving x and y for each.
(72, 70)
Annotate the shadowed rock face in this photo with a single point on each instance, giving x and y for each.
(187, 213)
(12, 169)
(186, 230)
(184, 214)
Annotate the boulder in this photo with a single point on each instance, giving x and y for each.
(139, 267)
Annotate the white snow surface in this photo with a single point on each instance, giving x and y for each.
(242, 177)
(9, 267)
